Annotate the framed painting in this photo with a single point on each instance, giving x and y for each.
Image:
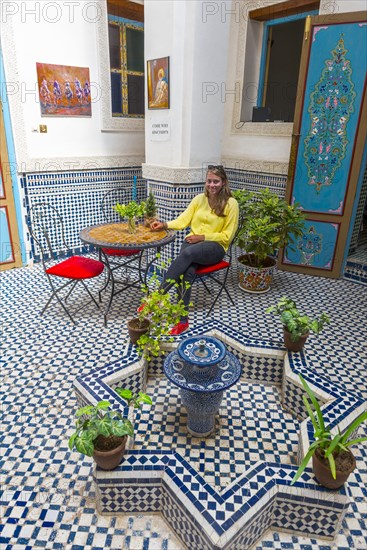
(158, 83)
(64, 90)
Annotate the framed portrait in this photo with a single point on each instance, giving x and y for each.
(64, 90)
(158, 83)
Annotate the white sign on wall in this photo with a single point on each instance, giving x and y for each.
(160, 131)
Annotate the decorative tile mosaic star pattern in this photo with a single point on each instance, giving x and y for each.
(48, 497)
(251, 426)
(237, 515)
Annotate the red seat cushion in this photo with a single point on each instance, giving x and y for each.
(114, 252)
(204, 269)
(77, 267)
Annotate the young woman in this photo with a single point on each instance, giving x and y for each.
(213, 219)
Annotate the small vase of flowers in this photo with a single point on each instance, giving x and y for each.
(131, 211)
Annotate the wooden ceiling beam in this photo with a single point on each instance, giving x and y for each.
(126, 9)
(284, 9)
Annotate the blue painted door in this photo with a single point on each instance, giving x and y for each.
(328, 140)
(10, 251)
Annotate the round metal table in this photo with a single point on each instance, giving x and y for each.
(115, 237)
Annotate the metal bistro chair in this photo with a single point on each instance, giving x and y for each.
(211, 271)
(117, 259)
(47, 231)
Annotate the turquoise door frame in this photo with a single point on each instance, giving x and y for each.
(264, 47)
(328, 142)
(12, 161)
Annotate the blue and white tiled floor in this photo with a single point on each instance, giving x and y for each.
(48, 498)
(251, 426)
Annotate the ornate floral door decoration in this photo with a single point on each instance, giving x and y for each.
(328, 141)
(316, 246)
(331, 104)
(309, 245)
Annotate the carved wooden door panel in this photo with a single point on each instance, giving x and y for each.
(328, 139)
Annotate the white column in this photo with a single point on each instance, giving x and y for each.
(194, 34)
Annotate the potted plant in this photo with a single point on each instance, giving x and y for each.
(267, 223)
(296, 327)
(101, 432)
(150, 210)
(159, 312)
(131, 211)
(332, 460)
(137, 326)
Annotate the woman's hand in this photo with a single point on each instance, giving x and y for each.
(158, 226)
(192, 239)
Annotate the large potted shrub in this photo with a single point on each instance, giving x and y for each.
(267, 224)
(332, 460)
(101, 432)
(296, 326)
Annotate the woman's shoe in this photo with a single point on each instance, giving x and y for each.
(179, 328)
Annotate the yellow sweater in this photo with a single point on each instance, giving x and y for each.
(203, 221)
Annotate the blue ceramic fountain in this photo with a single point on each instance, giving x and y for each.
(203, 369)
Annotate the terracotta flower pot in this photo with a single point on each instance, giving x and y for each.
(294, 346)
(255, 279)
(108, 460)
(345, 465)
(135, 331)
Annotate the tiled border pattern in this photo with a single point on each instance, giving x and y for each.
(356, 271)
(216, 520)
(254, 181)
(261, 497)
(359, 213)
(77, 196)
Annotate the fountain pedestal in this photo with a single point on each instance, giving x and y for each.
(203, 369)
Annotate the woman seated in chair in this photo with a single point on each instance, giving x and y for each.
(213, 219)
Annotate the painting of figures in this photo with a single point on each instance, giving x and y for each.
(63, 90)
(158, 83)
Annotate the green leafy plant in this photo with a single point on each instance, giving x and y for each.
(329, 445)
(150, 206)
(99, 427)
(163, 311)
(130, 210)
(267, 224)
(296, 324)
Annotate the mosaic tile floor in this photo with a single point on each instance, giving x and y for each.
(48, 498)
(251, 426)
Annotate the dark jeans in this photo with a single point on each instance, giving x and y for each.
(191, 255)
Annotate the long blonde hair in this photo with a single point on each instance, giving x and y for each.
(224, 194)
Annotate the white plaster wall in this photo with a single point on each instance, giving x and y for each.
(239, 148)
(159, 36)
(341, 6)
(53, 32)
(197, 47)
(211, 35)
